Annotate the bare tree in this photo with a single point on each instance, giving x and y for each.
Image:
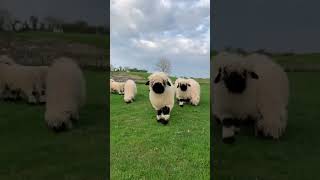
(163, 65)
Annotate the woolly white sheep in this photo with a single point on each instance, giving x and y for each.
(7, 60)
(66, 94)
(161, 95)
(116, 87)
(252, 87)
(187, 90)
(20, 81)
(130, 91)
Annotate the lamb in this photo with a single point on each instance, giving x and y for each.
(66, 94)
(187, 90)
(161, 95)
(130, 91)
(252, 87)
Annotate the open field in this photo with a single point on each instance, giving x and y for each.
(295, 156)
(141, 148)
(31, 151)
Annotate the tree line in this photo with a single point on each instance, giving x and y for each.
(48, 24)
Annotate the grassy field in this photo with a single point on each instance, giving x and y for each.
(295, 156)
(141, 148)
(97, 40)
(31, 151)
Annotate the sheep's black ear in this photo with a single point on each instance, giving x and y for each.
(147, 83)
(254, 75)
(218, 77)
(189, 85)
(178, 85)
(168, 83)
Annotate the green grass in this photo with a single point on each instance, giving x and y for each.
(31, 151)
(295, 156)
(100, 41)
(141, 148)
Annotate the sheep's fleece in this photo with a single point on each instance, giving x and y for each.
(264, 98)
(187, 90)
(66, 93)
(130, 91)
(163, 101)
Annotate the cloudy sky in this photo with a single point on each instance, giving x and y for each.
(95, 12)
(144, 31)
(278, 25)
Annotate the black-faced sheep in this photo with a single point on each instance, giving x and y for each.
(252, 87)
(187, 91)
(130, 91)
(161, 95)
(66, 94)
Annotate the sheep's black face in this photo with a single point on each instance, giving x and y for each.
(158, 88)
(183, 87)
(235, 82)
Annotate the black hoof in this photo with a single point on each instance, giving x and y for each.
(263, 136)
(128, 102)
(160, 120)
(181, 105)
(164, 122)
(60, 128)
(229, 140)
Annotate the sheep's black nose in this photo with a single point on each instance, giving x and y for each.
(158, 88)
(183, 87)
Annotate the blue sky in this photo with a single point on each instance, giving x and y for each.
(144, 31)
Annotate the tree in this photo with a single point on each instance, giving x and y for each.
(5, 20)
(163, 65)
(34, 22)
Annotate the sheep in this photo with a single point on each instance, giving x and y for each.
(251, 87)
(5, 59)
(130, 91)
(66, 94)
(117, 87)
(19, 82)
(187, 90)
(161, 95)
(36, 76)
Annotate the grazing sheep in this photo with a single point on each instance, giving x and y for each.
(5, 59)
(116, 87)
(66, 94)
(120, 89)
(252, 87)
(19, 82)
(42, 72)
(161, 95)
(187, 90)
(130, 91)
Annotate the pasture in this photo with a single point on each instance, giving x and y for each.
(294, 156)
(31, 151)
(141, 148)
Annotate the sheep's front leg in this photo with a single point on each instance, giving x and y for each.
(181, 102)
(163, 115)
(228, 130)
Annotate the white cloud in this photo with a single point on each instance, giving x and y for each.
(145, 30)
